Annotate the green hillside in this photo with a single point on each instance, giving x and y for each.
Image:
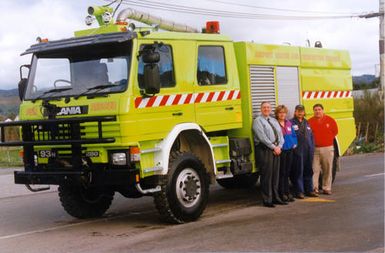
(9, 103)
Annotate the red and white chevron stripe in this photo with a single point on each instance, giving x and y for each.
(326, 94)
(189, 98)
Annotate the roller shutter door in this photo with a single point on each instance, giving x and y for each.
(262, 87)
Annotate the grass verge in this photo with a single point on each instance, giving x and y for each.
(9, 157)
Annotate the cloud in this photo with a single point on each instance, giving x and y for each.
(24, 20)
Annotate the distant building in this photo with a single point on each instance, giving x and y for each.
(361, 93)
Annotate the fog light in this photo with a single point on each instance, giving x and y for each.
(119, 159)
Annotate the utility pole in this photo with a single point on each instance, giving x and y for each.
(380, 14)
(382, 46)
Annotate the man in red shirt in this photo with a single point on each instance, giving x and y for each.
(325, 130)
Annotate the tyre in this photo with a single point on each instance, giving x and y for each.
(335, 166)
(239, 182)
(84, 203)
(184, 191)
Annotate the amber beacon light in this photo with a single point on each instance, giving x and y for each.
(212, 27)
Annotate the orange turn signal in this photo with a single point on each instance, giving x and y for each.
(134, 154)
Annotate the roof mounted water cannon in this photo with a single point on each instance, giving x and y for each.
(153, 20)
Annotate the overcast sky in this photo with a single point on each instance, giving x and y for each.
(24, 20)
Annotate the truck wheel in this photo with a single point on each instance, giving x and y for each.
(83, 202)
(335, 165)
(239, 182)
(184, 191)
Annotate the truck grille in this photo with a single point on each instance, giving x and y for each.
(64, 131)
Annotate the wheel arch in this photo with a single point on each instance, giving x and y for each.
(187, 137)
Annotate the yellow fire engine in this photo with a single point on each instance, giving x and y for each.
(138, 111)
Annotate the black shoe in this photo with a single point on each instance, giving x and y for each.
(285, 198)
(279, 202)
(290, 198)
(268, 204)
(300, 196)
(312, 194)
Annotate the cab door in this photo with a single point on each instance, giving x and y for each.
(217, 101)
(158, 114)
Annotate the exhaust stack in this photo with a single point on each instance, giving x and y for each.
(154, 20)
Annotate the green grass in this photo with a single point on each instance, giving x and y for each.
(9, 157)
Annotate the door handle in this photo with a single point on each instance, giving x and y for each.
(229, 108)
(177, 114)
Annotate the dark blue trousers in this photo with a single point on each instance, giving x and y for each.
(302, 170)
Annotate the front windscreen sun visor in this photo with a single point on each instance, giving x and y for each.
(46, 47)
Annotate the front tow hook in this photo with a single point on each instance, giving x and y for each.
(37, 189)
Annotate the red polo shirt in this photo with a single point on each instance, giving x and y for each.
(324, 129)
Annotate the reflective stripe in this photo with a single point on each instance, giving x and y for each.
(326, 94)
(189, 98)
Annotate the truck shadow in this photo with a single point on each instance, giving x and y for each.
(142, 212)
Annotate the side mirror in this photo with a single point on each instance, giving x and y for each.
(151, 79)
(151, 57)
(25, 66)
(22, 87)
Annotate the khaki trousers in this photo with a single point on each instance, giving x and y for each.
(323, 161)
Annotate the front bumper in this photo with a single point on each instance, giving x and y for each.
(94, 177)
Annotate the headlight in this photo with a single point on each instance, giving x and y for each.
(119, 159)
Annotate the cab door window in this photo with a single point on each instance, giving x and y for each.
(166, 67)
(211, 65)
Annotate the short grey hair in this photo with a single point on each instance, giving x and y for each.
(265, 102)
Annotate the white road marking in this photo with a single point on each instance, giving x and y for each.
(375, 175)
(69, 225)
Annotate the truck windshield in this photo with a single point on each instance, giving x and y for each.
(91, 70)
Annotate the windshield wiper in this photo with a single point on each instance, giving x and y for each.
(97, 87)
(55, 90)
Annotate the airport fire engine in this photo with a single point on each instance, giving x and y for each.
(139, 111)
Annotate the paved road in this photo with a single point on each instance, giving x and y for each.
(350, 220)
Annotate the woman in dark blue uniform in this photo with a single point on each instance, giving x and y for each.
(286, 157)
(302, 172)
